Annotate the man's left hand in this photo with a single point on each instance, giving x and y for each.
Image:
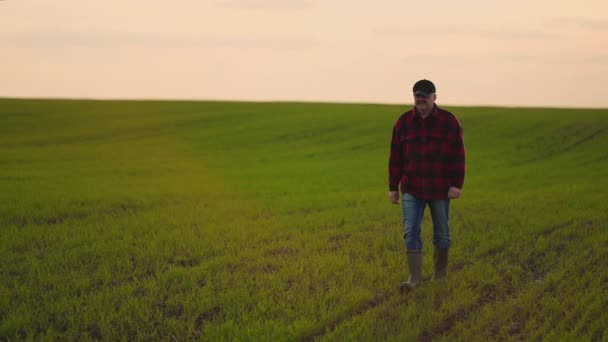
(453, 192)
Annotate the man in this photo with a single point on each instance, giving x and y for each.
(427, 161)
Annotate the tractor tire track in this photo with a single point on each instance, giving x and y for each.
(562, 150)
(489, 294)
(372, 303)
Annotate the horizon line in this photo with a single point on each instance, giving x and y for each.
(120, 99)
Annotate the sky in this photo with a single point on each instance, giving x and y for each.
(504, 53)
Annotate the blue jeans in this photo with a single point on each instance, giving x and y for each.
(413, 210)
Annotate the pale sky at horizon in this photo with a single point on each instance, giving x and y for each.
(507, 53)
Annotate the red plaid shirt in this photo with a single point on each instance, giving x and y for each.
(427, 155)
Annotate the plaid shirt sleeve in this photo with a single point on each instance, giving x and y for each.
(457, 166)
(395, 159)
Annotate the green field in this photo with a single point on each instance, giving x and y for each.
(271, 221)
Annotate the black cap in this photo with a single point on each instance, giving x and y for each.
(424, 87)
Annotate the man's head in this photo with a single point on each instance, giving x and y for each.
(424, 96)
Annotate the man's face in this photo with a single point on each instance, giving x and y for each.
(424, 103)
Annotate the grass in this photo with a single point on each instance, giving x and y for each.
(270, 221)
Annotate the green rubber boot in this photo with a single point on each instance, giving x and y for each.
(414, 262)
(440, 259)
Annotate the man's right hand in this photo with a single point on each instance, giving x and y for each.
(394, 196)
